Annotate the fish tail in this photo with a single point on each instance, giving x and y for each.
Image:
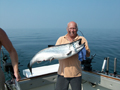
(30, 68)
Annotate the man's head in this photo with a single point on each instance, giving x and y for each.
(72, 29)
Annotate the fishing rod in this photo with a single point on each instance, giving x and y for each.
(115, 65)
(81, 33)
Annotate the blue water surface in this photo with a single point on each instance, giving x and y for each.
(102, 42)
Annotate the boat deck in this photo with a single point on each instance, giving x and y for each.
(45, 77)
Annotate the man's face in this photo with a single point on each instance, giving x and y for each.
(72, 30)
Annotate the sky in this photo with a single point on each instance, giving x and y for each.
(36, 14)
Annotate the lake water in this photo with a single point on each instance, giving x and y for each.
(102, 42)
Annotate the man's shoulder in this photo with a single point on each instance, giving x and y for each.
(2, 31)
(1, 35)
(62, 37)
(80, 37)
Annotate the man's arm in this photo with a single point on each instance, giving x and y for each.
(13, 54)
(88, 53)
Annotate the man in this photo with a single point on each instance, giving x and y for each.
(4, 41)
(70, 69)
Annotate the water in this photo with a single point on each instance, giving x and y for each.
(102, 42)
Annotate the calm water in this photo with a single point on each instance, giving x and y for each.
(102, 42)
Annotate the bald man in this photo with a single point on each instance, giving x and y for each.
(4, 41)
(69, 71)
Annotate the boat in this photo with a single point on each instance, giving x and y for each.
(45, 77)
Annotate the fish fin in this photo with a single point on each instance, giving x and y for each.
(51, 59)
(30, 68)
(69, 53)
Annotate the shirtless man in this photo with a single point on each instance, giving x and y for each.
(4, 41)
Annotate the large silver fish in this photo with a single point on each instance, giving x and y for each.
(57, 52)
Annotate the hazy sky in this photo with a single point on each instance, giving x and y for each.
(35, 14)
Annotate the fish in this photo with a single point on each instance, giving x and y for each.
(58, 52)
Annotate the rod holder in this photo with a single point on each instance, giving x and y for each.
(104, 63)
(115, 64)
(107, 69)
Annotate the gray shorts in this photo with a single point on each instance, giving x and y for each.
(63, 83)
(2, 80)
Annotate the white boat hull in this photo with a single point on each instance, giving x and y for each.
(44, 78)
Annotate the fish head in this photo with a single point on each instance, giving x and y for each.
(78, 46)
